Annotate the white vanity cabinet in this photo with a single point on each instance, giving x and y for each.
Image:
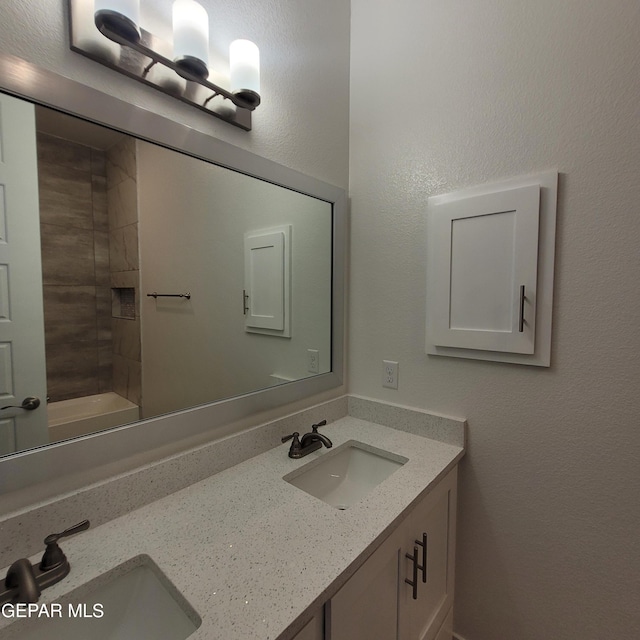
(313, 630)
(367, 605)
(428, 531)
(378, 604)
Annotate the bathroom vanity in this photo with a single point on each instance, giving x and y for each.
(215, 533)
(249, 555)
(405, 589)
(387, 598)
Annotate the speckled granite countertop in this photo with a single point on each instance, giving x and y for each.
(250, 552)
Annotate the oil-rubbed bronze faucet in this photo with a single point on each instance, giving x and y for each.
(24, 581)
(310, 442)
(21, 581)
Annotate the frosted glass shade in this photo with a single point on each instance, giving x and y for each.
(191, 37)
(119, 16)
(244, 63)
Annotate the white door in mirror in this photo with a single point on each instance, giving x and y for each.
(22, 370)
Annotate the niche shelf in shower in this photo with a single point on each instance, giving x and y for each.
(123, 303)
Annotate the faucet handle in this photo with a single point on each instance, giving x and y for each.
(21, 578)
(295, 445)
(53, 555)
(77, 528)
(314, 427)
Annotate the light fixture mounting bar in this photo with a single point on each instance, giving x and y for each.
(136, 60)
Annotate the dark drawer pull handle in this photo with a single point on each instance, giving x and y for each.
(413, 583)
(423, 566)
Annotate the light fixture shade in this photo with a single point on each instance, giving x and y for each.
(244, 63)
(191, 37)
(121, 17)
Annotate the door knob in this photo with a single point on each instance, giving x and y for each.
(28, 404)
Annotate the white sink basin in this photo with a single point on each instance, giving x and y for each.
(138, 602)
(344, 476)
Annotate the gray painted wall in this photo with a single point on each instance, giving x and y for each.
(549, 493)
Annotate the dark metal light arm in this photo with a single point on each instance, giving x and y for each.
(181, 71)
(137, 58)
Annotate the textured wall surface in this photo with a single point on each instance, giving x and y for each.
(304, 48)
(548, 529)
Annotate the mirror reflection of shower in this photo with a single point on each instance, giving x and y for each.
(88, 229)
(121, 218)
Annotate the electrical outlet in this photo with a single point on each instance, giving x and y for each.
(313, 361)
(390, 374)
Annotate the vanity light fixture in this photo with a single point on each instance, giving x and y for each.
(120, 17)
(191, 37)
(109, 32)
(244, 62)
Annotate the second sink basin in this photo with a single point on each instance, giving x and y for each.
(134, 602)
(344, 476)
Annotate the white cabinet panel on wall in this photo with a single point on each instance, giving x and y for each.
(267, 260)
(490, 271)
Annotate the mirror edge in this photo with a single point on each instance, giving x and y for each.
(33, 467)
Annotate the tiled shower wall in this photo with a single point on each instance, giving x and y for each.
(122, 204)
(74, 230)
(89, 237)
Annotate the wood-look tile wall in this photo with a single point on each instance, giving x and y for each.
(89, 236)
(74, 228)
(122, 206)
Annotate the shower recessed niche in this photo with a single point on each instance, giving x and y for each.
(123, 303)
